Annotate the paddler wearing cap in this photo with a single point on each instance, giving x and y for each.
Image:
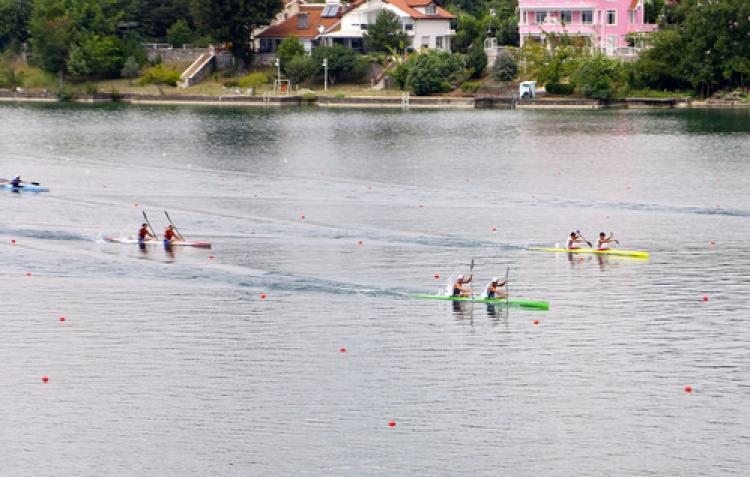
(494, 289)
(458, 286)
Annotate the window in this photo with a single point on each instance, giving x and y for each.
(431, 10)
(611, 17)
(408, 26)
(439, 42)
(540, 17)
(425, 42)
(363, 26)
(632, 16)
(524, 18)
(566, 17)
(587, 17)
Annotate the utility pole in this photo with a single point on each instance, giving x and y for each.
(278, 74)
(325, 74)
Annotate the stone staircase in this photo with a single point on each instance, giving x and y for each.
(199, 69)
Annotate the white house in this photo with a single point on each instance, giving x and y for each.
(427, 24)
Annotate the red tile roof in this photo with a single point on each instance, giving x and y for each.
(289, 26)
(408, 7)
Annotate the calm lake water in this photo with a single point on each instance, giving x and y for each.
(173, 363)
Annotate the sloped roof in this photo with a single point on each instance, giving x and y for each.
(408, 7)
(289, 26)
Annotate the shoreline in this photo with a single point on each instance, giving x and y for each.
(377, 102)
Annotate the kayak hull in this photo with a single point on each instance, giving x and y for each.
(158, 242)
(612, 251)
(24, 188)
(539, 305)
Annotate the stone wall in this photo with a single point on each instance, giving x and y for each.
(170, 55)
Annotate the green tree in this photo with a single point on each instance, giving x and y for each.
(598, 77)
(50, 41)
(433, 72)
(476, 61)
(180, 33)
(14, 23)
(343, 63)
(301, 68)
(385, 34)
(96, 57)
(156, 16)
(288, 49)
(470, 32)
(505, 68)
(658, 67)
(234, 20)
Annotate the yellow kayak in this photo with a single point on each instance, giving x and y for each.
(610, 251)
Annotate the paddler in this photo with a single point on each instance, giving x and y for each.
(144, 235)
(171, 235)
(604, 241)
(575, 239)
(494, 289)
(458, 289)
(16, 182)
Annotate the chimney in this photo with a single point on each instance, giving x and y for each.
(302, 21)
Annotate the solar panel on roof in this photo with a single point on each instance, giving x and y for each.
(330, 10)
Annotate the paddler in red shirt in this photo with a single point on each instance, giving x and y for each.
(171, 235)
(144, 234)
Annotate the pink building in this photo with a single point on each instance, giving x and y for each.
(611, 26)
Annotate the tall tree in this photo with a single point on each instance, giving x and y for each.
(386, 34)
(233, 21)
(14, 22)
(156, 16)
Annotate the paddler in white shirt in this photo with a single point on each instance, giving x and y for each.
(574, 240)
(604, 241)
(458, 289)
(494, 289)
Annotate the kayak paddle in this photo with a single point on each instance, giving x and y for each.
(182, 237)
(145, 217)
(507, 287)
(578, 234)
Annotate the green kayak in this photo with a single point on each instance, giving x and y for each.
(539, 305)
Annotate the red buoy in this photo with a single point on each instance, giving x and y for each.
(263, 296)
(302, 217)
(28, 274)
(13, 242)
(211, 257)
(342, 349)
(135, 204)
(62, 318)
(494, 229)
(688, 389)
(392, 423)
(45, 379)
(536, 322)
(359, 242)
(420, 206)
(712, 242)
(705, 297)
(437, 276)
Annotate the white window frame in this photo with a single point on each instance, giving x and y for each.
(425, 43)
(614, 17)
(439, 42)
(430, 9)
(591, 20)
(542, 15)
(566, 13)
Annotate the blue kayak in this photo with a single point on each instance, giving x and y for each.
(25, 188)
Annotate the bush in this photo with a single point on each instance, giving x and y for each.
(598, 77)
(432, 72)
(471, 86)
(115, 95)
(232, 83)
(505, 68)
(131, 68)
(301, 68)
(476, 61)
(400, 74)
(90, 89)
(560, 88)
(253, 80)
(343, 64)
(65, 93)
(159, 75)
(309, 97)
